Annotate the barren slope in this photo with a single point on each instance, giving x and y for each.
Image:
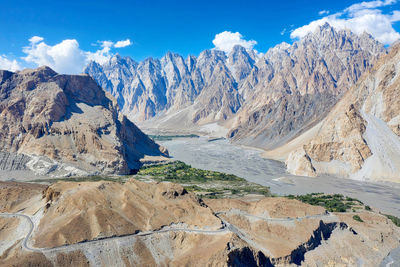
(159, 224)
(360, 136)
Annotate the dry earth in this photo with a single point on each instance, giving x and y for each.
(160, 224)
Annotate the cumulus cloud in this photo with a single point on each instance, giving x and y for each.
(225, 41)
(8, 64)
(123, 43)
(360, 17)
(66, 56)
(323, 12)
(101, 56)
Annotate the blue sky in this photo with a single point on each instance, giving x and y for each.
(185, 27)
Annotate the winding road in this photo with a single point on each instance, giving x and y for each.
(25, 244)
(27, 237)
(226, 227)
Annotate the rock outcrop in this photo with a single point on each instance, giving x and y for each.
(360, 136)
(66, 124)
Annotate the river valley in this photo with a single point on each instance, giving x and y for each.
(220, 155)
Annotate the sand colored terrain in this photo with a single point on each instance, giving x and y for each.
(104, 209)
(160, 224)
(17, 196)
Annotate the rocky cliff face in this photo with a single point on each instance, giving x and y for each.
(207, 84)
(293, 86)
(360, 136)
(67, 122)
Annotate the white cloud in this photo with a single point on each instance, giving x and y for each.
(102, 55)
(323, 12)
(226, 40)
(360, 17)
(106, 43)
(8, 64)
(395, 16)
(35, 39)
(369, 5)
(283, 31)
(66, 56)
(123, 43)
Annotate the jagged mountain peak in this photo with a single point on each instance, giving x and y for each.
(238, 49)
(211, 54)
(219, 86)
(293, 86)
(239, 52)
(240, 62)
(171, 56)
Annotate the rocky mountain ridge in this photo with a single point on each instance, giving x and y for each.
(66, 125)
(293, 86)
(146, 89)
(283, 100)
(209, 82)
(262, 101)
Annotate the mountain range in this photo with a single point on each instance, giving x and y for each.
(261, 101)
(271, 101)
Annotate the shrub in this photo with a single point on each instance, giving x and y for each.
(357, 218)
(394, 219)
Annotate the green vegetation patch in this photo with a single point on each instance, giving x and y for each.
(333, 203)
(208, 184)
(394, 219)
(180, 172)
(357, 218)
